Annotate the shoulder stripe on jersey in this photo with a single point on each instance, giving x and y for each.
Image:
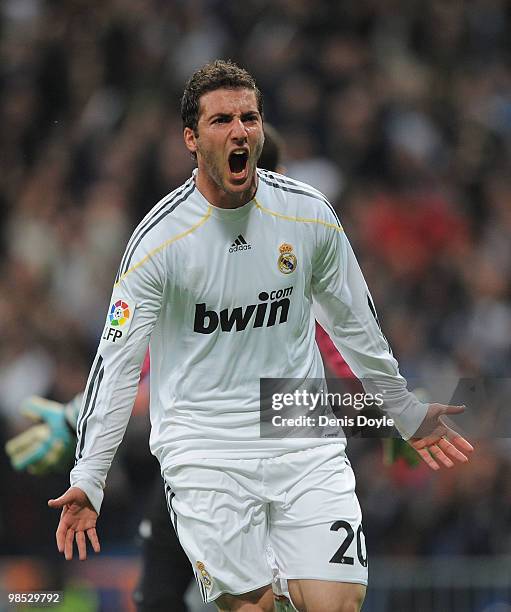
(165, 244)
(294, 183)
(90, 410)
(285, 185)
(289, 181)
(149, 217)
(168, 204)
(334, 226)
(168, 199)
(174, 203)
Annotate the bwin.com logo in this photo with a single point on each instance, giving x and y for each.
(264, 314)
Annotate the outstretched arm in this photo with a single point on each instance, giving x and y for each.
(110, 391)
(393, 448)
(344, 308)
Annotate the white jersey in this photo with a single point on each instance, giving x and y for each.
(224, 298)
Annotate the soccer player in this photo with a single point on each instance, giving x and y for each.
(199, 282)
(48, 446)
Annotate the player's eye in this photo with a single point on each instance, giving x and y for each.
(222, 119)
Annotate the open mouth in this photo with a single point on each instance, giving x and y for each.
(238, 162)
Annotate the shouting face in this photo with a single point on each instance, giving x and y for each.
(228, 141)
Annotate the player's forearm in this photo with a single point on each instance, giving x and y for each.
(99, 437)
(399, 403)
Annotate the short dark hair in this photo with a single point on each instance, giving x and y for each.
(215, 75)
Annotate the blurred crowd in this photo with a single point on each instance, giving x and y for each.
(400, 111)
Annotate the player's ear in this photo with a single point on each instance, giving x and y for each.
(190, 139)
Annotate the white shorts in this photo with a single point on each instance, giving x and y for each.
(301, 504)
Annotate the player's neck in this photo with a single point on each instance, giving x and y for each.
(221, 198)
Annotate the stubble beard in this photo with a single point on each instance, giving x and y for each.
(215, 172)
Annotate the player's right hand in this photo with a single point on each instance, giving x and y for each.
(47, 446)
(77, 518)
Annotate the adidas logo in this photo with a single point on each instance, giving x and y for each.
(240, 244)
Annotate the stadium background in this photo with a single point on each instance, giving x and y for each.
(400, 111)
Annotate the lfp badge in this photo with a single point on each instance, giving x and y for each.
(119, 313)
(119, 316)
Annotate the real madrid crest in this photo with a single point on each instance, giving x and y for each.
(204, 574)
(287, 259)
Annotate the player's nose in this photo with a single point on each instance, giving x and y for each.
(239, 131)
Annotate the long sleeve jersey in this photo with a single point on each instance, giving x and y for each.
(225, 297)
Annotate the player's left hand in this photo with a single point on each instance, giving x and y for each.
(436, 442)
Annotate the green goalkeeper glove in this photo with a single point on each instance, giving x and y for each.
(395, 448)
(47, 446)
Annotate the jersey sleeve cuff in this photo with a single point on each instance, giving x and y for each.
(410, 419)
(93, 491)
(401, 405)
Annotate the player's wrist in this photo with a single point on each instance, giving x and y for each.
(93, 491)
